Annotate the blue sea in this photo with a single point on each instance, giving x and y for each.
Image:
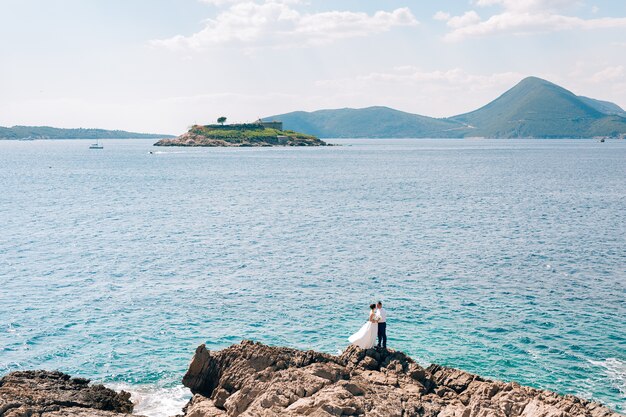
(505, 258)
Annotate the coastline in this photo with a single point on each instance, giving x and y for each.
(253, 379)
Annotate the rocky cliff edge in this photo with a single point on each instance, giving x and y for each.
(252, 379)
(255, 380)
(55, 394)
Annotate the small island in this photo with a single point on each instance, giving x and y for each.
(259, 133)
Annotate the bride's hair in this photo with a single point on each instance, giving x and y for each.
(372, 306)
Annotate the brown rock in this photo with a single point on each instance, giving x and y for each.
(48, 394)
(254, 380)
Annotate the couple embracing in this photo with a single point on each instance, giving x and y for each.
(376, 326)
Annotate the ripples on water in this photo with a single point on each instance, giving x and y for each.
(503, 258)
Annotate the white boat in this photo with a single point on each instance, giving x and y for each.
(96, 145)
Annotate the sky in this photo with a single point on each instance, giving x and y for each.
(163, 65)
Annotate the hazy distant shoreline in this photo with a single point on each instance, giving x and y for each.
(47, 132)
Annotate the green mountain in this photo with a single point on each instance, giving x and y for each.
(533, 108)
(46, 132)
(370, 122)
(540, 109)
(604, 106)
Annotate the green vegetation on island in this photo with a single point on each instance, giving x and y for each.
(47, 132)
(248, 134)
(534, 108)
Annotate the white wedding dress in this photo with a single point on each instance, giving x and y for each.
(365, 338)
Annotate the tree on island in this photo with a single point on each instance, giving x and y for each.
(221, 120)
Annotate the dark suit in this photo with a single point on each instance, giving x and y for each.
(382, 334)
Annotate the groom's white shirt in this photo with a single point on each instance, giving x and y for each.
(382, 315)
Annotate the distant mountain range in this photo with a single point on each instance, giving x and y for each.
(534, 108)
(46, 132)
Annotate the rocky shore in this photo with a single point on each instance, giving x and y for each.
(252, 379)
(55, 394)
(248, 135)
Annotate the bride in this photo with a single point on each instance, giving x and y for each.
(365, 338)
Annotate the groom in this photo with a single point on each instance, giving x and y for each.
(381, 318)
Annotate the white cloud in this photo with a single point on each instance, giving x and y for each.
(225, 3)
(604, 80)
(552, 6)
(523, 23)
(524, 17)
(455, 76)
(437, 93)
(219, 2)
(441, 15)
(608, 74)
(277, 24)
(467, 19)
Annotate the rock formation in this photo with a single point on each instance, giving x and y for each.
(251, 379)
(255, 380)
(244, 135)
(55, 394)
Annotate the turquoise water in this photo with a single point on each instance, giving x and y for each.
(503, 258)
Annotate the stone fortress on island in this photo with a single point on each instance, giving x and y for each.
(258, 133)
(257, 124)
(274, 124)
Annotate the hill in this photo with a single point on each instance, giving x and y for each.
(250, 134)
(537, 108)
(370, 122)
(46, 132)
(534, 108)
(604, 106)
